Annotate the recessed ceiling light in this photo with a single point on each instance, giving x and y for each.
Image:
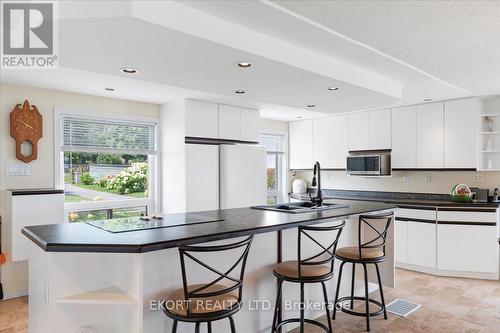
(427, 99)
(299, 117)
(244, 64)
(311, 105)
(333, 88)
(129, 70)
(239, 91)
(109, 89)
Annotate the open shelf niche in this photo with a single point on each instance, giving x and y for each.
(89, 289)
(489, 140)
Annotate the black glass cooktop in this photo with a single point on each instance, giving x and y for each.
(135, 223)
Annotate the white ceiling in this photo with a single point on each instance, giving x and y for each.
(189, 49)
(456, 41)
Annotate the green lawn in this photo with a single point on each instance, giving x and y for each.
(75, 198)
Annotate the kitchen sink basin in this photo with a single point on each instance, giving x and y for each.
(300, 207)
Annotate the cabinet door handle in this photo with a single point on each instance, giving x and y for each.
(46, 293)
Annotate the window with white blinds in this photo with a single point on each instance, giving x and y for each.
(107, 135)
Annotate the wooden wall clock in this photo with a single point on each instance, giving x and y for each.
(26, 126)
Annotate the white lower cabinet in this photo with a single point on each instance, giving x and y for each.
(467, 241)
(467, 248)
(448, 241)
(422, 244)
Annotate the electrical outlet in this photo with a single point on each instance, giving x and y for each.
(478, 179)
(406, 179)
(84, 329)
(428, 177)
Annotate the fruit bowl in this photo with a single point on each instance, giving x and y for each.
(461, 193)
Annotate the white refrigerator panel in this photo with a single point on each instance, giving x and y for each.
(202, 177)
(242, 176)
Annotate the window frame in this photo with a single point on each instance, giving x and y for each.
(282, 166)
(151, 203)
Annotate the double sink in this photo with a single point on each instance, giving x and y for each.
(300, 207)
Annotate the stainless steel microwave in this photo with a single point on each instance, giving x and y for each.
(369, 164)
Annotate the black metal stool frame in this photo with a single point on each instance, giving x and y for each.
(329, 252)
(187, 252)
(381, 236)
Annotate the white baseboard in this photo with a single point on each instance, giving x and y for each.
(461, 274)
(15, 295)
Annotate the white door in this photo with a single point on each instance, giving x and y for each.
(359, 128)
(379, 130)
(467, 248)
(460, 128)
(250, 125)
(243, 179)
(400, 241)
(422, 244)
(229, 122)
(430, 135)
(202, 177)
(301, 144)
(404, 137)
(330, 141)
(202, 119)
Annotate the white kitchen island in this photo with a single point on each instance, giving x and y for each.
(85, 279)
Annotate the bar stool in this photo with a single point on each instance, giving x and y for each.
(212, 301)
(317, 268)
(369, 252)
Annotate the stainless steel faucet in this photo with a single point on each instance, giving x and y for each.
(318, 199)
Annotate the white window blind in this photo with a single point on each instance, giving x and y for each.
(107, 135)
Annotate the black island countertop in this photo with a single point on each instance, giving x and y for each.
(82, 237)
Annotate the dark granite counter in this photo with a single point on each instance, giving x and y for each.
(228, 223)
(35, 191)
(399, 198)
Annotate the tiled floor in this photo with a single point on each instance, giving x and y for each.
(14, 315)
(449, 305)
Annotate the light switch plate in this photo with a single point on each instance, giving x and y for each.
(17, 170)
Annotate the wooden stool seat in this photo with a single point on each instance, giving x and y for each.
(176, 304)
(352, 253)
(290, 269)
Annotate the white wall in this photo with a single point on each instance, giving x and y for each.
(14, 276)
(273, 126)
(404, 181)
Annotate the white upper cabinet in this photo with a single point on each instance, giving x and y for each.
(404, 137)
(370, 130)
(379, 129)
(359, 138)
(330, 141)
(430, 135)
(202, 119)
(229, 122)
(250, 125)
(301, 144)
(460, 128)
